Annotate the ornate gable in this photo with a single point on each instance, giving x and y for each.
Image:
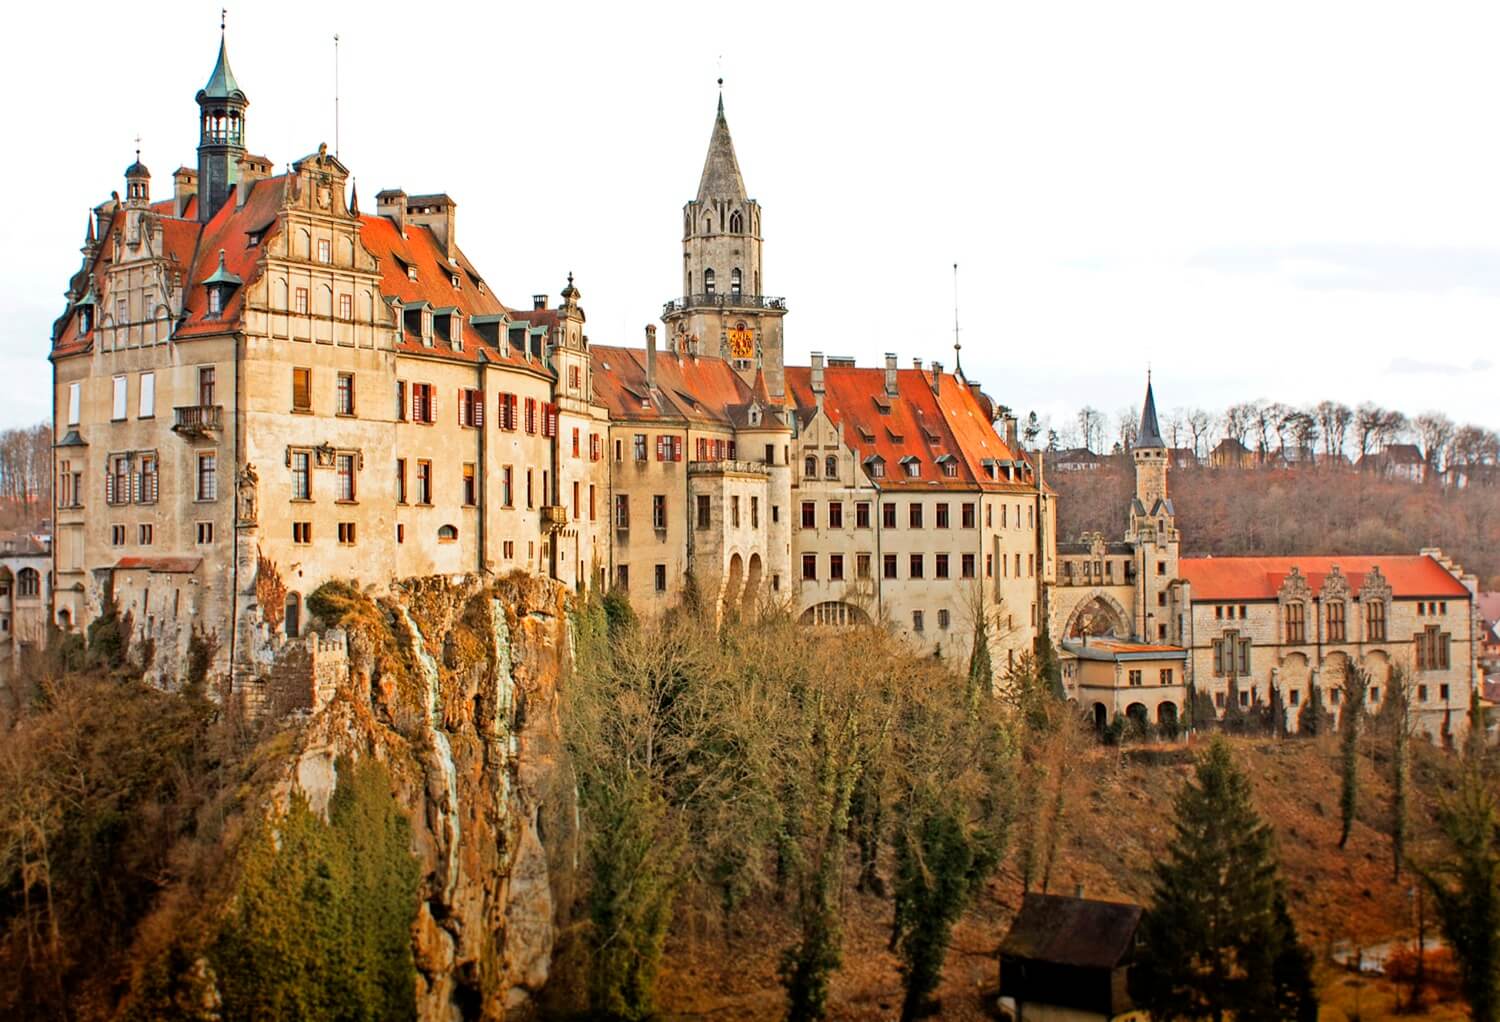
(1335, 586)
(1294, 588)
(1375, 587)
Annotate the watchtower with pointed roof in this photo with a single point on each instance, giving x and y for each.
(1153, 528)
(221, 135)
(723, 310)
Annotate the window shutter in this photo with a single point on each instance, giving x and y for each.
(660, 448)
(479, 408)
(109, 484)
(677, 448)
(135, 487)
(461, 395)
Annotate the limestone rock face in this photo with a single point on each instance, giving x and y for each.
(453, 684)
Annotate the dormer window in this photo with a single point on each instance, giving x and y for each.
(220, 285)
(85, 321)
(215, 302)
(454, 278)
(876, 467)
(911, 467)
(411, 273)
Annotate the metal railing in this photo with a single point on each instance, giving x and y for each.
(723, 300)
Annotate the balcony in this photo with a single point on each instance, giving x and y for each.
(728, 467)
(196, 420)
(719, 300)
(554, 517)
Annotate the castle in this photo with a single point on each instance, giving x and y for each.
(260, 387)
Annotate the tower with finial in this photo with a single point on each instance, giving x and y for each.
(1153, 527)
(221, 135)
(137, 181)
(724, 305)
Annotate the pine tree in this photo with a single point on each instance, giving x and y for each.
(1217, 940)
(1312, 719)
(1356, 684)
(1047, 664)
(1395, 718)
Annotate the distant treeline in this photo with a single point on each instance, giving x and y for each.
(1291, 511)
(25, 475)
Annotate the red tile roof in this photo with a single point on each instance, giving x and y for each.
(914, 423)
(705, 389)
(160, 565)
(1260, 578)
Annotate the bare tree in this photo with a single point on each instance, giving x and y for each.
(1237, 420)
(1091, 428)
(1176, 427)
(1126, 425)
(1199, 422)
(1367, 427)
(1333, 419)
(1263, 422)
(1434, 432)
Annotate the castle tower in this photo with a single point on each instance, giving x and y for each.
(723, 310)
(137, 183)
(1153, 531)
(221, 135)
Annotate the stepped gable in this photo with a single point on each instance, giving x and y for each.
(701, 388)
(914, 422)
(1260, 578)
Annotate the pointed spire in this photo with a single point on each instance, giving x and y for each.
(1149, 435)
(353, 197)
(721, 171)
(221, 84)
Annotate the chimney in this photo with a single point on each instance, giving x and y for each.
(650, 354)
(436, 213)
(937, 375)
(816, 377)
(890, 374)
(392, 203)
(184, 187)
(916, 364)
(251, 169)
(539, 302)
(1011, 440)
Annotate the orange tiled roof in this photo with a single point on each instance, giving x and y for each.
(161, 565)
(1260, 578)
(703, 389)
(914, 423)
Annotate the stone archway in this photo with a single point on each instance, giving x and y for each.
(833, 614)
(752, 581)
(1166, 714)
(734, 584)
(1100, 614)
(1101, 717)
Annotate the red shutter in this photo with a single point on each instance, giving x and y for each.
(479, 408)
(677, 448)
(661, 448)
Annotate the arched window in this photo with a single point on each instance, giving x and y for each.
(65, 619)
(28, 583)
(291, 619)
(831, 466)
(708, 282)
(734, 281)
(810, 467)
(447, 534)
(708, 225)
(736, 223)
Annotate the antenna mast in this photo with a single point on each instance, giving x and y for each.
(335, 95)
(958, 366)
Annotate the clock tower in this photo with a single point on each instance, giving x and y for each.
(723, 310)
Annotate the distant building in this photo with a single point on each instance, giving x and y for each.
(1074, 459)
(25, 599)
(1068, 960)
(1397, 461)
(1230, 453)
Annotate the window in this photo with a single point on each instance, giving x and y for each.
(346, 533)
(809, 567)
(302, 533)
(916, 620)
(835, 514)
(531, 415)
(1294, 697)
(346, 306)
(639, 446)
(424, 482)
(703, 510)
(470, 408)
(205, 533)
(1161, 566)
(810, 466)
(966, 566)
(888, 515)
(622, 511)
(530, 501)
(1336, 621)
(708, 282)
(950, 468)
(734, 511)
(914, 566)
(471, 490)
(1421, 693)
(447, 534)
(1375, 621)
(299, 305)
(831, 467)
(661, 578)
(862, 515)
(1432, 649)
(325, 250)
(73, 400)
(345, 466)
(344, 397)
(1164, 676)
(506, 404)
(912, 467)
(549, 420)
(301, 390)
(914, 516)
(754, 512)
(302, 476)
(809, 515)
(940, 566)
(659, 510)
(1135, 679)
(508, 486)
(861, 565)
(146, 408)
(575, 442)
(422, 404)
(596, 447)
(1296, 622)
(942, 516)
(148, 483)
(117, 535)
(400, 480)
(208, 476)
(400, 400)
(118, 411)
(622, 576)
(836, 567)
(989, 565)
(888, 566)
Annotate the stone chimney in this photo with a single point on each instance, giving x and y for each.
(538, 302)
(251, 170)
(916, 364)
(435, 212)
(1011, 438)
(890, 375)
(816, 377)
(937, 375)
(184, 187)
(650, 354)
(392, 203)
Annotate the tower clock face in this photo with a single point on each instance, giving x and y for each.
(741, 341)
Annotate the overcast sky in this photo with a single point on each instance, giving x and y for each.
(1284, 201)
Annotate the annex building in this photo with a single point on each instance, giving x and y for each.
(1143, 627)
(261, 386)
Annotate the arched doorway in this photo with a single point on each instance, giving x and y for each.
(292, 621)
(1166, 714)
(752, 581)
(734, 584)
(1138, 716)
(1101, 717)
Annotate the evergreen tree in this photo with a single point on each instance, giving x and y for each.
(1312, 719)
(1356, 684)
(1465, 886)
(1395, 719)
(1217, 940)
(981, 669)
(1047, 664)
